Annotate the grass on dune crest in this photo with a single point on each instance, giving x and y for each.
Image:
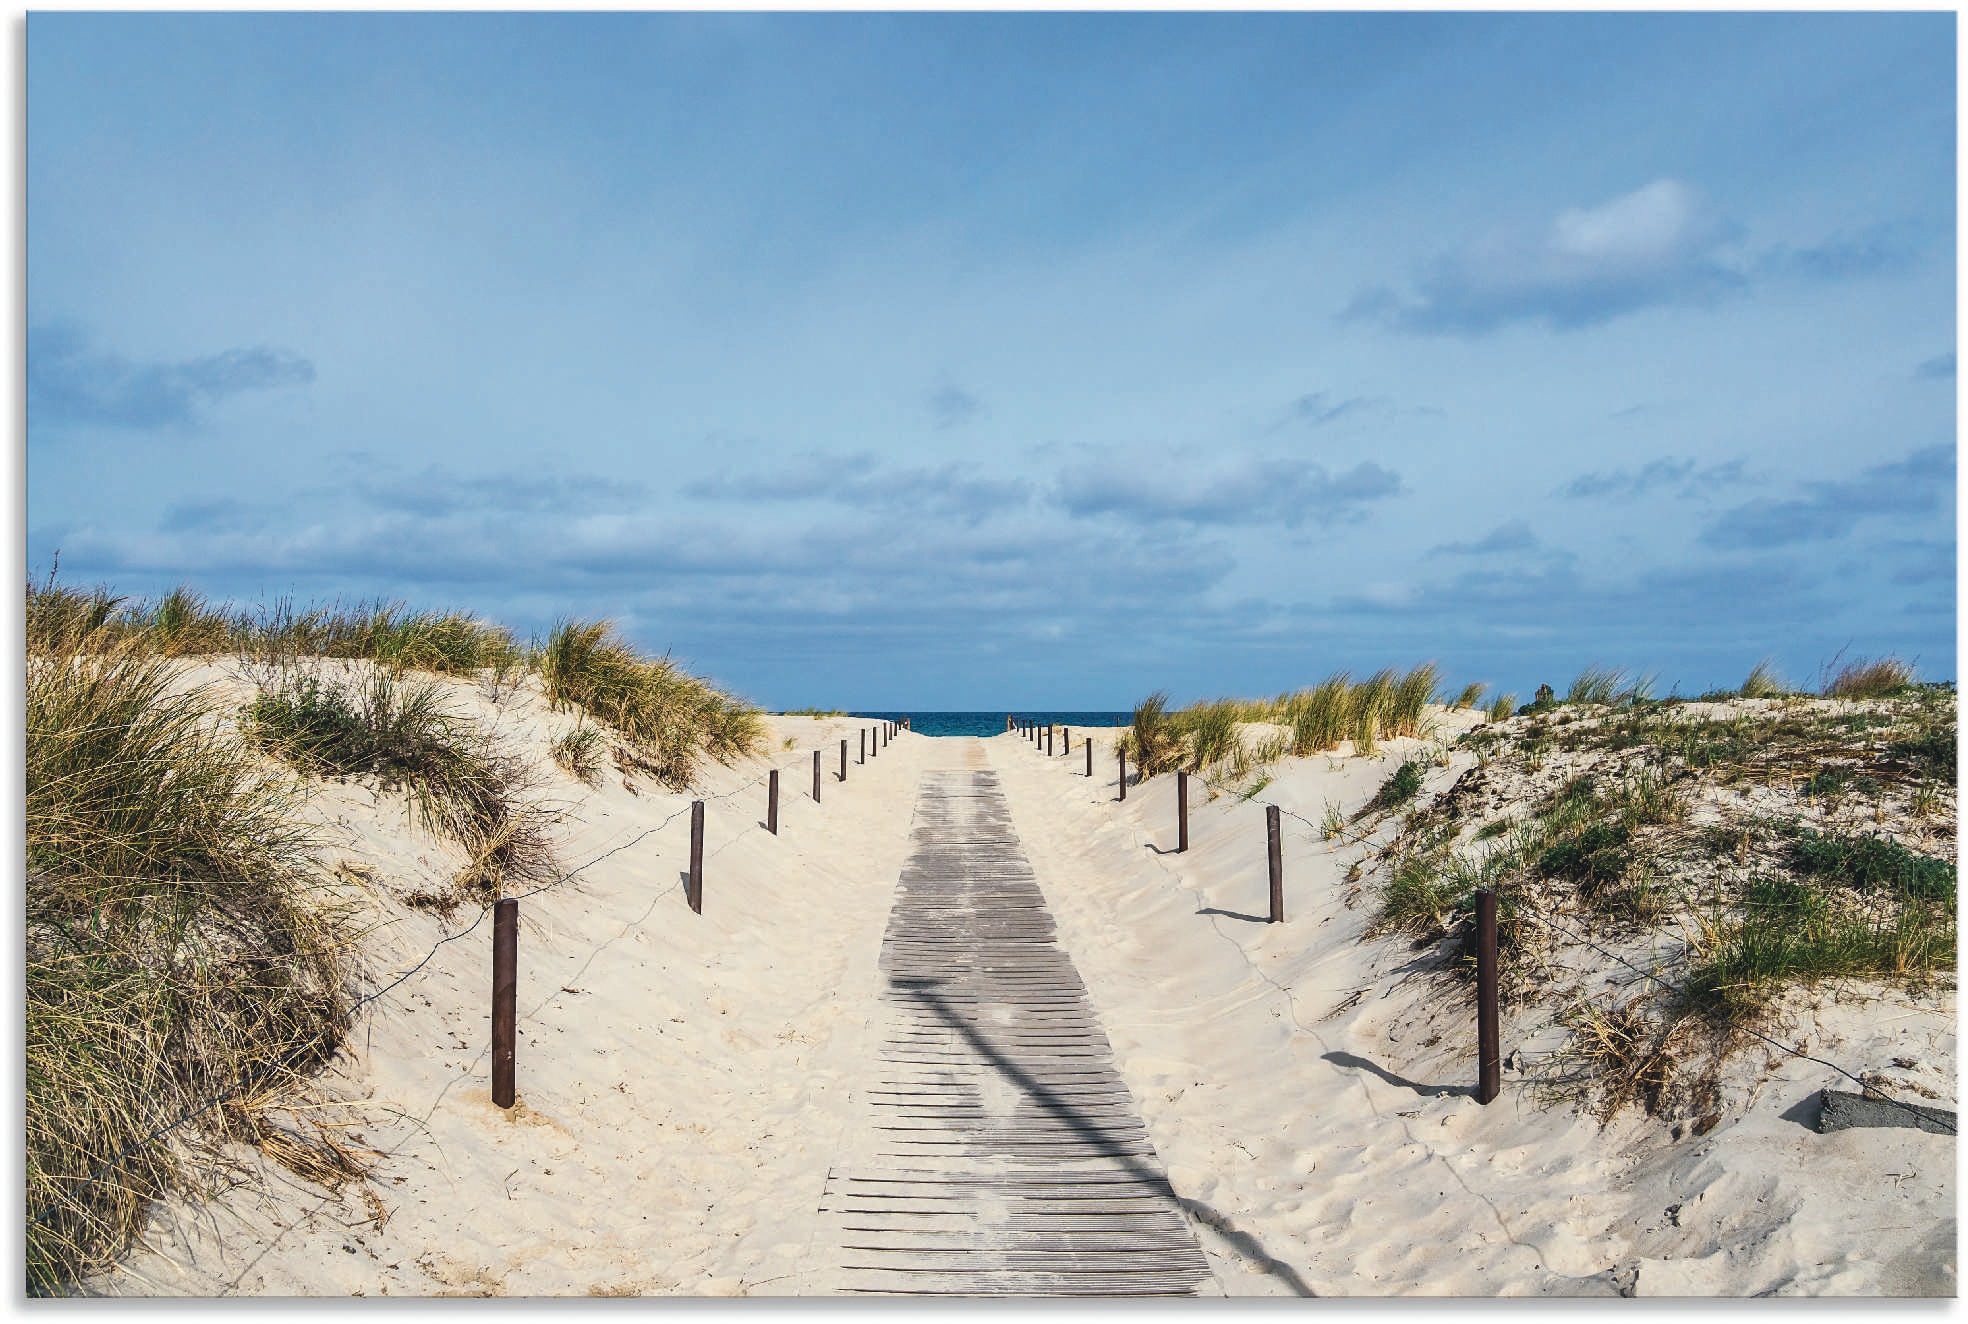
(185, 624)
(671, 716)
(175, 949)
(1869, 679)
(671, 719)
(1204, 736)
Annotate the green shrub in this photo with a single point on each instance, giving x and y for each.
(1872, 864)
(1400, 787)
(1596, 858)
(1790, 932)
(1932, 752)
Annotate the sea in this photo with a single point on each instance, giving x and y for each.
(993, 723)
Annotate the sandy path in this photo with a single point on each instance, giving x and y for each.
(999, 1151)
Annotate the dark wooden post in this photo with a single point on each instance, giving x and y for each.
(1048, 739)
(505, 994)
(1275, 841)
(1489, 1049)
(772, 802)
(863, 756)
(1066, 740)
(1089, 753)
(816, 776)
(1121, 753)
(1182, 810)
(695, 889)
(843, 758)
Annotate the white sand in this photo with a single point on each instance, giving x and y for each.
(1306, 1127)
(685, 1081)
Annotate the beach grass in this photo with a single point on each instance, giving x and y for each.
(1876, 678)
(1205, 736)
(1791, 931)
(1763, 682)
(578, 753)
(400, 732)
(176, 946)
(672, 717)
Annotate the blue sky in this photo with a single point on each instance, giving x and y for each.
(1015, 360)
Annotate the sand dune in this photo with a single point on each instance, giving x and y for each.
(685, 1082)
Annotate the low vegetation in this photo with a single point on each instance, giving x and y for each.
(670, 720)
(578, 753)
(1737, 847)
(176, 947)
(671, 717)
(399, 732)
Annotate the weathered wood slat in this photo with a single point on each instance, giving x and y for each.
(1002, 1153)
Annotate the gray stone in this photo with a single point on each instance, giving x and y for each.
(1843, 1110)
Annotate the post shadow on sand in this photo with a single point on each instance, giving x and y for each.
(1234, 914)
(1358, 1063)
(921, 991)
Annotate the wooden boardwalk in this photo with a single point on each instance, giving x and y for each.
(1001, 1153)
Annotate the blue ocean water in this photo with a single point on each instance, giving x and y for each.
(993, 723)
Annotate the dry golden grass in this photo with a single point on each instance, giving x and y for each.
(176, 947)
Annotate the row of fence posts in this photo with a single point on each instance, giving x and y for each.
(1489, 1050)
(1044, 740)
(505, 912)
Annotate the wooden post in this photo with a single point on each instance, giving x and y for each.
(1182, 810)
(1048, 739)
(863, 757)
(843, 758)
(1489, 1049)
(505, 994)
(1275, 840)
(816, 776)
(694, 891)
(1121, 753)
(1089, 754)
(1066, 737)
(772, 802)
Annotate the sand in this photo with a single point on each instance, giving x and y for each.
(685, 1082)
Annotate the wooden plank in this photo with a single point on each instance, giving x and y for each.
(1001, 1154)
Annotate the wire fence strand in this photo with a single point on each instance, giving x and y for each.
(287, 1061)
